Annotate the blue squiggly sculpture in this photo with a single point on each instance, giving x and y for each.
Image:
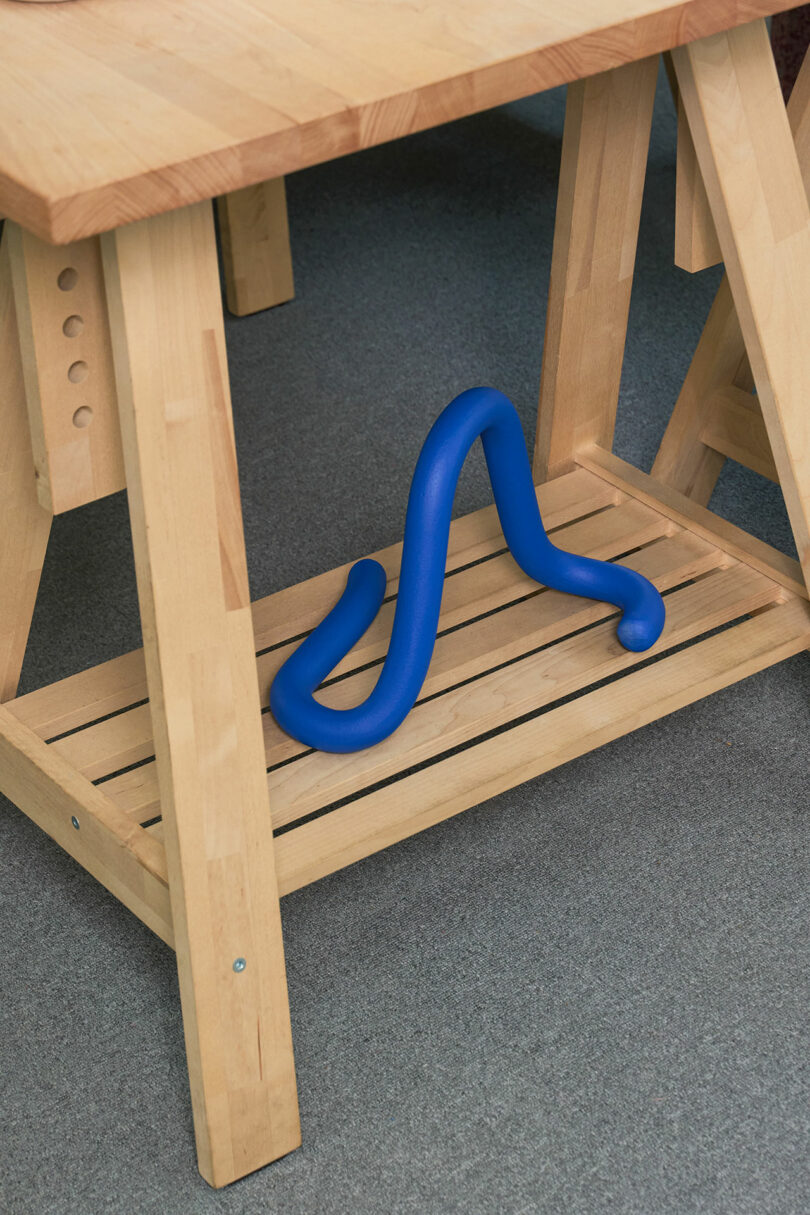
(479, 411)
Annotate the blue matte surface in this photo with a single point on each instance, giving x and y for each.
(479, 411)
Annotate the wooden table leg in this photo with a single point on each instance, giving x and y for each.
(604, 159)
(696, 243)
(256, 253)
(686, 459)
(748, 159)
(174, 403)
(26, 524)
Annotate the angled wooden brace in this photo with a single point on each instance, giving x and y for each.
(749, 163)
(716, 416)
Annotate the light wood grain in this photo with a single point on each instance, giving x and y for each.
(256, 256)
(696, 243)
(734, 427)
(748, 160)
(472, 538)
(604, 159)
(459, 655)
(343, 836)
(110, 846)
(695, 518)
(470, 593)
(136, 109)
(67, 363)
(508, 693)
(26, 524)
(168, 341)
(121, 682)
(684, 461)
(477, 650)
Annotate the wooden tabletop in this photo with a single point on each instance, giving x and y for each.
(112, 110)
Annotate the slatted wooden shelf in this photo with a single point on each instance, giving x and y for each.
(522, 679)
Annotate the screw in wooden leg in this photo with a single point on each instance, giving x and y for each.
(168, 339)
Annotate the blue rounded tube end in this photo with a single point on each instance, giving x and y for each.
(639, 630)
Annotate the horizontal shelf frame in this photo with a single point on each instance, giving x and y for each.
(474, 652)
(120, 683)
(739, 544)
(510, 692)
(469, 594)
(86, 823)
(425, 798)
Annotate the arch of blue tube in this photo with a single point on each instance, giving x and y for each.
(487, 413)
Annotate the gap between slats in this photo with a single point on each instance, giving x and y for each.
(120, 683)
(107, 747)
(545, 620)
(422, 799)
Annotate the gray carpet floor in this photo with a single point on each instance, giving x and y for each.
(588, 995)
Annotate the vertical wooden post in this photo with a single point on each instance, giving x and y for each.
(696, 243)
(747, 156)
(174, 403)
(256, 253)
(26, 524)
(604, 158)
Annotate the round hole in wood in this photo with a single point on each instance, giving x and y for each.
(73, 326)
(83, 417)
(77, 372)
(68, 278)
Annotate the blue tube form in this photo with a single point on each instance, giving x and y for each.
(487, 413)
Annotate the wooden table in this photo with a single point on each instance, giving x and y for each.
(119, 122)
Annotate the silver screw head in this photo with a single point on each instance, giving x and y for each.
(239, 965)
(74, 821)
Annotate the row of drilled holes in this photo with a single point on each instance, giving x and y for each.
(72, 327)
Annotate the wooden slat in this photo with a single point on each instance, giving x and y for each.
(697, 519)
(71, 702)
(458, 656)
(604, 159)
(472, 538)
(734, 426)
(166, 317)
(256, 253)
(67, 364)
(117, 852)
(109, 745)
(26, 524)
(504, 695)
(113, 685)
(127, 738)
(437, 792)
(748, 160)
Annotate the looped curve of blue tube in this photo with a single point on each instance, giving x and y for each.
(487, 413)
